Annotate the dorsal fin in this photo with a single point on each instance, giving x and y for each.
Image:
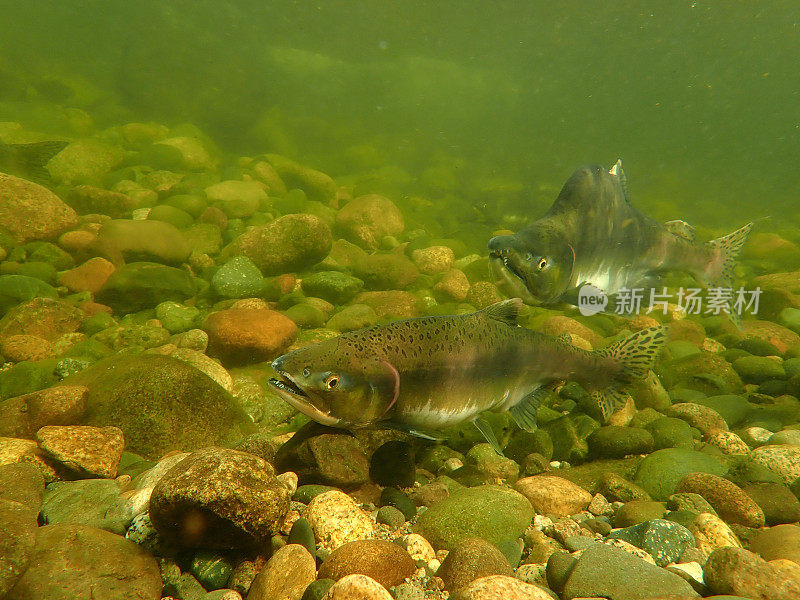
(617, 172)
(505, 311)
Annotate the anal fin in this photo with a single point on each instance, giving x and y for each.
(608, 401)
(425, 435)
(488, 433)
(524, 411)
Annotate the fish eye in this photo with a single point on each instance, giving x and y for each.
(331, 381)
(542, 264)
(306, 372)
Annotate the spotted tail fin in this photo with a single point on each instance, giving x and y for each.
(636, 353)
(635, 356)
(729, 247)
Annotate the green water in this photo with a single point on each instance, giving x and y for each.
(700, 99)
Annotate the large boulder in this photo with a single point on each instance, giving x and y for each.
(160, 403)
(79, 562)
(219, 498)
(32, 212)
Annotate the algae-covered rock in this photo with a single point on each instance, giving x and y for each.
(19, 288)
(89, 199)
(84, 161)
(660, 472)
(496, 514)
(333, 286)
(237, 199)
(366, 220)
(706, 372)
(32, 212)
(159, 402)
(128, 240)
(290, 243)
(143, 285)
(238, 278)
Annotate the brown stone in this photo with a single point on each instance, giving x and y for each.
(553, 495)
(502, 587)
(23, 483)
(286, 576)
(472, 559)
(79, 562)
(781, 541)
(739, 572)
(219, 498)
(454, 285)
(88, 450)
(18, 527)
(357, 587)
(559, 325)
(383, 561)
(88, 277)
(366, 220)
(241, 335)
(42, 317)
(17, 348)
(32, 212)
(392, 303)
(88, 199)
(23, 416)
(777, 335)
(728, 499)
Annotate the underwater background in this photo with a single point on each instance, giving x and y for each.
(190, 189)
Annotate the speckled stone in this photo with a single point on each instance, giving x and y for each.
(664, 540)
(336, 519)
(704, 418)
(783, 459)
(728, 442)
(738, 572)
(502, 587)
(418, 548)
(728, 499)
(87, 450)
(777, 501)
(711, 532)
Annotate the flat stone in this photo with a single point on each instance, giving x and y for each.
(553, 495)
(102, 565)
(94, 451)
(18, 528)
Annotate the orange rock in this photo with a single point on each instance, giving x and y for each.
(42, 317)
(77, 241)
(17, 348)
(240, 335)
(92, 308)
(85, 449)
(558, 324)
(393, 303)
(780, 337)
(88, 277)
(23, 416)
(32, 212)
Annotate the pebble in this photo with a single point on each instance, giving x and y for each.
(710, 532)
(664, 540)
(783, 459)
(553, 495)
(728, 442)
(286, 575)
(418, 548)
(777, 501)
(359, 587)
(385, 562)
(390, 516)
(472, 559)
(336, 520)
(502, 587)
(728, 499)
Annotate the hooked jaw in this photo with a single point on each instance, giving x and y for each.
(505, 268)
(291, 392)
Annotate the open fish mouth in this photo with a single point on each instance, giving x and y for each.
(509, 276)
(296, 397)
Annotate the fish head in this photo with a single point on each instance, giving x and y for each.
(335, 386)
(535, 266)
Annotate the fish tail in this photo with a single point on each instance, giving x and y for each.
(720, 271)
(36, 155)
(634, 356)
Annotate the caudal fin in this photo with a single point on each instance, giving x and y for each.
(720, 273)
(635, 356)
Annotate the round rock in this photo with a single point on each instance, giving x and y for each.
(473, 559)
(219, 498)
(336, 520)
(728, 499)
(385, 562)
(553, 495)
(285, 576)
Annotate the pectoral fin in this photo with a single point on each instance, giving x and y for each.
(488, 433)
(524, 411)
